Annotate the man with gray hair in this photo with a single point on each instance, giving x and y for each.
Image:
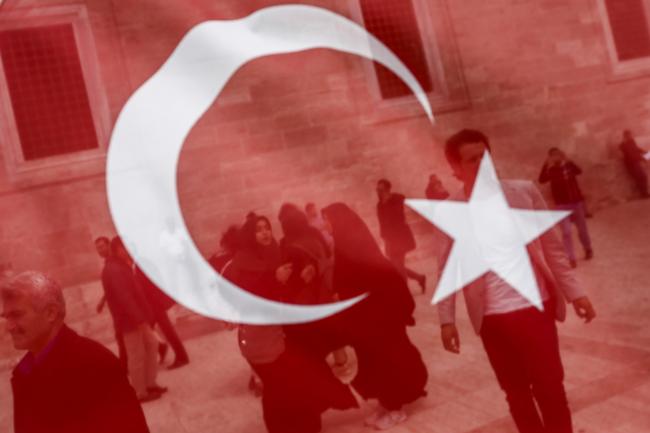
(65, 383)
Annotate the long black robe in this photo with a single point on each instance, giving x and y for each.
(390, 367)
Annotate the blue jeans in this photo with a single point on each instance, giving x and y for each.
(579, 218)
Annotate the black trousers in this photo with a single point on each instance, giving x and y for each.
(638, 173)
(398, 257)
(162, 320)
(524, 353)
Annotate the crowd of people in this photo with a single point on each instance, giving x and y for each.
(322, 256)
(319, 260)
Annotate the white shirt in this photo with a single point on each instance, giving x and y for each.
(500, 298)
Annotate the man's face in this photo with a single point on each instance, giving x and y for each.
(103, 248)
(29, 327)
(470, 156)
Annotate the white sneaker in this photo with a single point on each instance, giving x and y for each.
(390, 419)
(371, 421)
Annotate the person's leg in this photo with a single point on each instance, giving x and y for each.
(501, 345)
(150, 344)
(544, 365)
(567, 236)
(641, 178)
(583, 232)
(134, 346)
(398, 257)
(168, 330)
(273, 409)
(287, 409)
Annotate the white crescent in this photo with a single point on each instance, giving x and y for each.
(151, 129)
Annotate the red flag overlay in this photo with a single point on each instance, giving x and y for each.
(258, 216)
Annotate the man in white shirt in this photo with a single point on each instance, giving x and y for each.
(521, 341)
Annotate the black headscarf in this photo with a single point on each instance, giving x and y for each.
(353, 241)
(253, 266)
(360, 266)
(296, 227)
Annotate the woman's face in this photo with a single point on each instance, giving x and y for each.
(263, 234)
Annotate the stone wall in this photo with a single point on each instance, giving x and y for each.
(300, 127)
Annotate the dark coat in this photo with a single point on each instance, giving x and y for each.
(126, 300)
(564, 185)
(396, 234)
(79, 386)
(302, 251)
(632, 153)
(220, 260)
(157, 299)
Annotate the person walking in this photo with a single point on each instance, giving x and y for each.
(133, 317)
(390, 367)
(562, 174)
(397, 235)
(635, 162)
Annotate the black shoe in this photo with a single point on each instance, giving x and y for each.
(589, 254)
(163, 348)
(178, 363)
(157, 389)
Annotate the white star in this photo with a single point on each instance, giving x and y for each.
(488, 235)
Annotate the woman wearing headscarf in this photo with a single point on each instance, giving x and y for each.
(297, 388)
(390, 367)
(308, 252)
(305, 247)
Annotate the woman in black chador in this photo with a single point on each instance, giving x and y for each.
(306, 251)
(390, 367)
(297, 387)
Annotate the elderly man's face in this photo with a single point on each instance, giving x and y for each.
(29, 327)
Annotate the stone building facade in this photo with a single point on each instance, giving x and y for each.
(321, 125)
